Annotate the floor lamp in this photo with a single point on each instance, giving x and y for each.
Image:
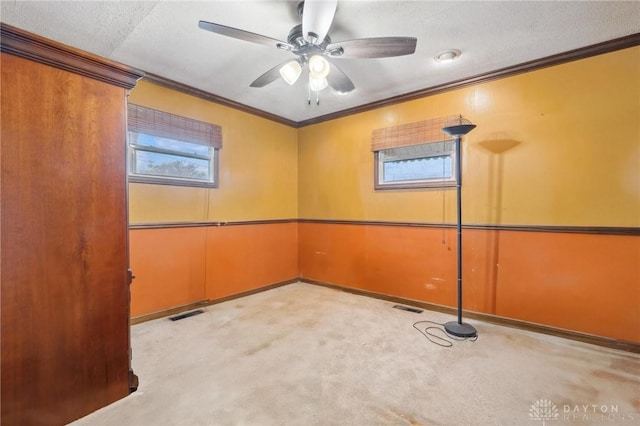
(457, 130)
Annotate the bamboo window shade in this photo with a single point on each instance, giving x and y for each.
(417, 133)
(165, 125)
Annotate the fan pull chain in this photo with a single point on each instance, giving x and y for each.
(309, 96)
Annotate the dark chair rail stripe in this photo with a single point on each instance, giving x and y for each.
(604, 230)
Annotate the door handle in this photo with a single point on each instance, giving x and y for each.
(130, 276)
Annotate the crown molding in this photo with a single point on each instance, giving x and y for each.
(189, 90)
(30, 46)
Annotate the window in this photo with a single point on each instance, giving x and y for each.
(414, 155)
(425, 165)
(172, 150)
(162, 158)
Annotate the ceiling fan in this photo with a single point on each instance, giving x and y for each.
(313, 48)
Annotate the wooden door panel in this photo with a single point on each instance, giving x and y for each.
(65, 331)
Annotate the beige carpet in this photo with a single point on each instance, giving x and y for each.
(308, 355)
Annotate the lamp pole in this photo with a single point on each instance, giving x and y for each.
(458, 328)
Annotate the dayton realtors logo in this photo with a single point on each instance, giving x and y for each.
(599, 412)
(545, 411)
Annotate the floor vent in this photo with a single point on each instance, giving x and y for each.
(186, 315)
(408, 308)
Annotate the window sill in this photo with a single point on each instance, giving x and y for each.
(172, 182)
(414, 185)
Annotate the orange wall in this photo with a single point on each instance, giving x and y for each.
(169, 266)
(588, 283)
(579, 282)
(178, 266)
(245, 257)
(401, 261)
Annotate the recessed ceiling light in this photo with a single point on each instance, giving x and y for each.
(447, 56)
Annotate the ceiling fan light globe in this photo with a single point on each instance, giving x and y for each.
(317, 84)
(318, 66)
(290, 72)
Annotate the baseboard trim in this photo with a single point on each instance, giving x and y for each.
(254, 291)
(207, 302)
(168, 312)
(606, 342)
(493, 319)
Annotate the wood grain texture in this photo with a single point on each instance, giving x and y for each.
(36, 48)
(65, 303)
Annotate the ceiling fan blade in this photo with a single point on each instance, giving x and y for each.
(270, 76)
(317, 16)
(378, 47)
(339, 81)
(243, 35)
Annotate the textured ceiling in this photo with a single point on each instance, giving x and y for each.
(163, 38)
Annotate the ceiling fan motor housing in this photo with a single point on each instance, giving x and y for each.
(302, 46)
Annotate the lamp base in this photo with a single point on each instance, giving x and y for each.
(460, 329)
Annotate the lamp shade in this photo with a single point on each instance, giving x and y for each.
(290, 72)
(317, 84)
(458, 129)
(458, 126)
(318, 66)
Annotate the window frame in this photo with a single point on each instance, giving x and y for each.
(422, 183)
(171, 180)
(160, 124)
